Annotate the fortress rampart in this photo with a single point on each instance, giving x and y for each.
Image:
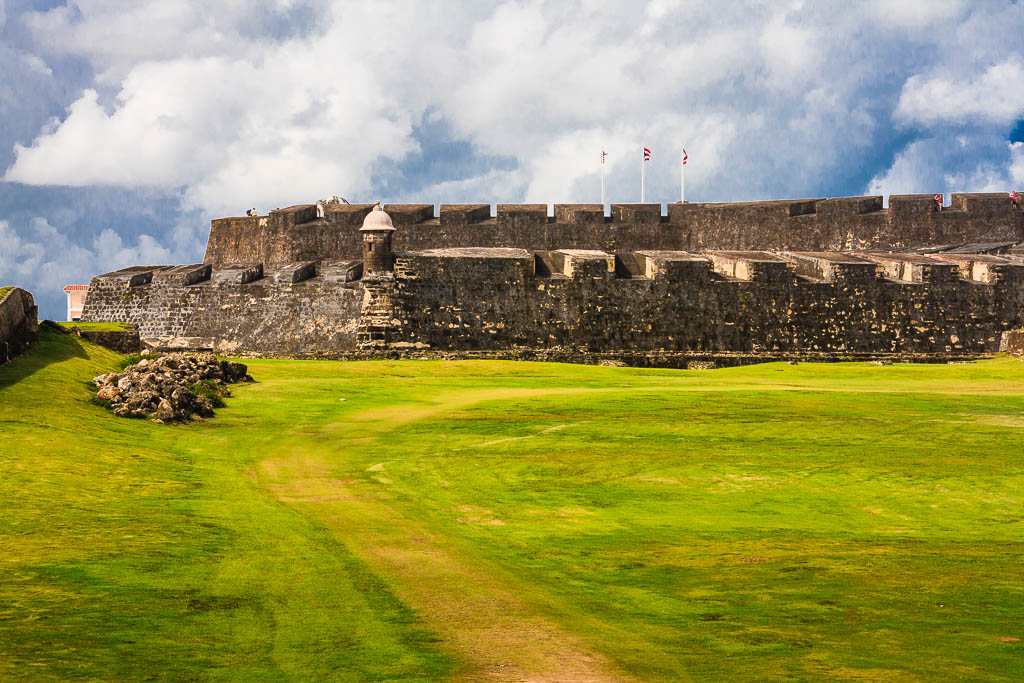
(838, 224)
(815, 279)
(648, 307)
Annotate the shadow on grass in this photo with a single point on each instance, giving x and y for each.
(51, 347)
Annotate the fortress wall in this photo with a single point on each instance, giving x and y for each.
(843, 223)
(18, 322)
(453, 300)
(297, 308)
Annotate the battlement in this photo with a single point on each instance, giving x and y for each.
(652, 301)
(766, 267)
(838, 224)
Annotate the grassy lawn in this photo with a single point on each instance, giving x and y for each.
(97, 327)
(510, 521)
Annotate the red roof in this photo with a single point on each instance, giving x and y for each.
(76, 288)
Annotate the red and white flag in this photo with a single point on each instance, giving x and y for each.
(647, 154)
(684, 156)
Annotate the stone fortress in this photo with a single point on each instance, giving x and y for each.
(814, 279)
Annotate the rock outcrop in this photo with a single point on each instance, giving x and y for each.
(171, 388)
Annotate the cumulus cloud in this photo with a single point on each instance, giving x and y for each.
(944, 165)
(914, 14)
(991, 96)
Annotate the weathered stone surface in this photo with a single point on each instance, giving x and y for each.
(122, 341)
(1013, 342)
(162, 388)
(838, 224)
(19, 325)
(267, 315)
(844, 304)
(794, 279)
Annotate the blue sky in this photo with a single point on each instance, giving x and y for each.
(126, 126)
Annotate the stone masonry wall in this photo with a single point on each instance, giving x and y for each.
(752, 302)
(839, 224)
(297, 309)
(18, 322)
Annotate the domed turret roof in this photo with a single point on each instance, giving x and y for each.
(377, 221)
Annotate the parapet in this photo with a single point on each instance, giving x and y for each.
(750, 265)
(831, 266)
(293, 215)
(291, 273)
(677, 265)
(405, 215)
(134, 276)
(984, 268)
(518, 216)
(455, 215)
(636, 213)
(341, 271)
(182, 276)
(579, 213)
(912, 267)
(586, 263)
(346, 215)
(237, 274)
(840, 208)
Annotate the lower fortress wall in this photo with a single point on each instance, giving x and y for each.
(292, 309)
(573, 304)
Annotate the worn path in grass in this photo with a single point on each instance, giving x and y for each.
(480, 614)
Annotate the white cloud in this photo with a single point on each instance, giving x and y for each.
(1017, 165)
(915, 14)
(945, 165)
(992, 96)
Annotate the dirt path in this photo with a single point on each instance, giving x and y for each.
(497, 635)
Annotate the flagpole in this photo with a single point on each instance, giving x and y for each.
(643, 165)
(682, 178)
(602, 183)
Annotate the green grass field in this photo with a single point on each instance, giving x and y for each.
(96, 327)
(510, 521)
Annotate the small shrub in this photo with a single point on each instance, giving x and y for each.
(212, 391)
(133, 358)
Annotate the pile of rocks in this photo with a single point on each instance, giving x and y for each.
(162, 388)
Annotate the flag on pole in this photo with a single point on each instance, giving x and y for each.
(604, 155)
(684, 156)
(647, 154)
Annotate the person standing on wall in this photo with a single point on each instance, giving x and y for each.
(938, 202)
(1013, 200)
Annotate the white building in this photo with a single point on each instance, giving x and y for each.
(76, 300)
